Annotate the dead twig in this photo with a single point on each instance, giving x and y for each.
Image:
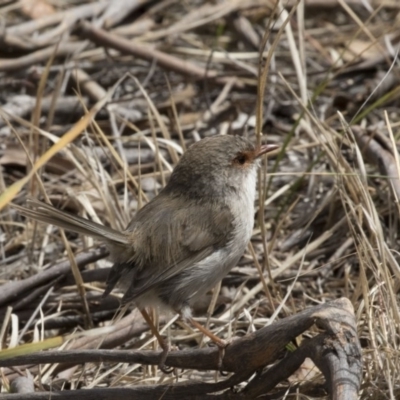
(14, 289)
(22, 105)
(63, 49)
(21, 35)
(103, 38)
(376, 154)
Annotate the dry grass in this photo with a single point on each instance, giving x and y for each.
(328, 222)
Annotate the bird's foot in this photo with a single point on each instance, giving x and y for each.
(222, 345)
(164, 354)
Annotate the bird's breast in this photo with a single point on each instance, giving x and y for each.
(242, 207)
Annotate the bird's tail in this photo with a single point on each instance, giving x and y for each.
(44, 212)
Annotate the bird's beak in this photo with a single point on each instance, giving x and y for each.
(265, 148)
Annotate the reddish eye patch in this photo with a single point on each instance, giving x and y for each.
(242, 159)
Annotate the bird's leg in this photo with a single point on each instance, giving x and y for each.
(218, 341)
(162, 342)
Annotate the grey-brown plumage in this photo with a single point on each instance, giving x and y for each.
(188, 237)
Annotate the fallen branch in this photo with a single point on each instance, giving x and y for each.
(336, 352)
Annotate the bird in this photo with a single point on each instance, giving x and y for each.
(187, 238)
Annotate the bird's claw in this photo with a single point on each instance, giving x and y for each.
(164, 354)
(164, 368)
(222, 345)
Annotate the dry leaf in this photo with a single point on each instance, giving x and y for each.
(306, 372)
(363, 49)
(36, 9)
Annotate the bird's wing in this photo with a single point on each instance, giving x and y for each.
(171, 238)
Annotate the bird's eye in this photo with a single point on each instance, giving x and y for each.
(240, 159)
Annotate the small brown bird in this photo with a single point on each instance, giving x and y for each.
(185, 240)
